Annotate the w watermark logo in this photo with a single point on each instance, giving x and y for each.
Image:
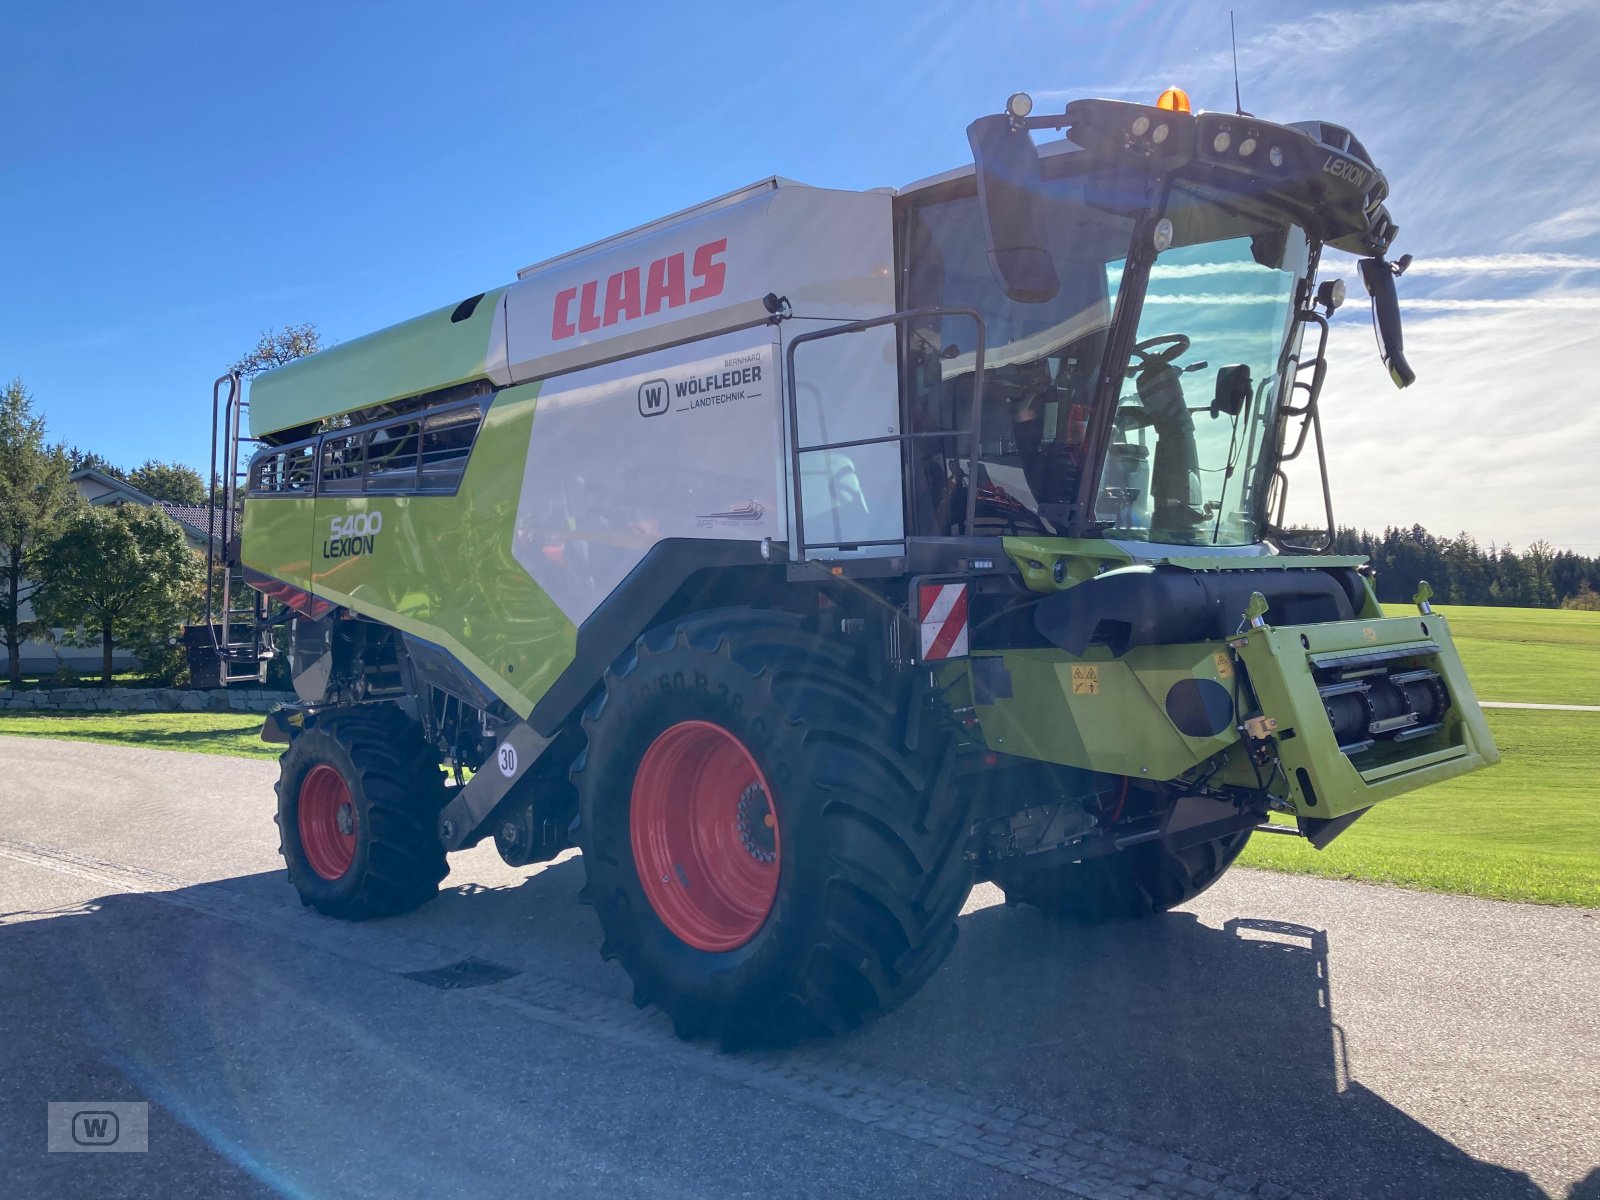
(98, 1127)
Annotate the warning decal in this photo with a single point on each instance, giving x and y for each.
(1085, 680)
(942, 615)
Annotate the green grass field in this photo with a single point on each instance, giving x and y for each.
(1526, 830)
(236, 734)
(1529, 655)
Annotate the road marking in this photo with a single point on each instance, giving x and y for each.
(1065, 1156)
(1549, 707)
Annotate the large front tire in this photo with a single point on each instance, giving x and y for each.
(767, 855)
(359, 796)
(1140, 881)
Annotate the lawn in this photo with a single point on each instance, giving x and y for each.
(232, 733)
(1537, 655)
(1528, 829)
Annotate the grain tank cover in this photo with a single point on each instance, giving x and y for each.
(705, 271)
(448, 346)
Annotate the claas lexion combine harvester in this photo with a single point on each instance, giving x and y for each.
(808, 555)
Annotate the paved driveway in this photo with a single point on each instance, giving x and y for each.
(1280, 1036)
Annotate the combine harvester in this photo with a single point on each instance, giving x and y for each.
(807, 555)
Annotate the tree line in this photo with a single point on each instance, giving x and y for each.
(111, 575)
(1462, 572)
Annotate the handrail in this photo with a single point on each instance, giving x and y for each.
(222, 410)
(223, 619)
(1311, 423)
(796, 449)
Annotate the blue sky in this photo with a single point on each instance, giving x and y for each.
(177, 177)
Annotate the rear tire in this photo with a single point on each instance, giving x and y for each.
(848, 902)
(1140, 881)
(359, 797)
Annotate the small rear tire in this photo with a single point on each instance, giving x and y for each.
(359, 797)
(1140, 881)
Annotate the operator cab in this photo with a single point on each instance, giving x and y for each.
(1180, 466)
(1143, 300)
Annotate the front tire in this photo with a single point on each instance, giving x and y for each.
(1140, 881)
(359, 796)
(767, 856)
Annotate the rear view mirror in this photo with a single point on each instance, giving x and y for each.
(1378, 276)
(1010, 201)
(1233, 390)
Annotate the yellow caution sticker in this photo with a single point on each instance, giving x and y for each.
(1224, 664)
(1085, 681)
(1370, 633)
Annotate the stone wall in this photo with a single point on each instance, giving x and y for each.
(83, 699)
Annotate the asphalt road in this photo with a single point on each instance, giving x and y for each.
(1281, 1036)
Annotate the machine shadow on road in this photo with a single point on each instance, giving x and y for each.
(1220, 1044)
(1223, 1044)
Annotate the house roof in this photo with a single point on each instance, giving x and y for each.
(122, 489)
(196, 519)
(193, 519)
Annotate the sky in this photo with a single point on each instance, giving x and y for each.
(176, 178)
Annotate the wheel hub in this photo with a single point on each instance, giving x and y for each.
(756, 825)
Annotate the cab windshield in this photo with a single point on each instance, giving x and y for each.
(1190, 449)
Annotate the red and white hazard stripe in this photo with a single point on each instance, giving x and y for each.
(943, 619)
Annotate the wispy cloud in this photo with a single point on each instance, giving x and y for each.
(1578, 221)
(1468, 22)
(1204, 299)
(1499, 443)
(1163, 271)
(1504, 264)
(1551, 302)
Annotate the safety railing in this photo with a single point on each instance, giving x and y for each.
(1310, 423)
(234, 611)
(800, 546)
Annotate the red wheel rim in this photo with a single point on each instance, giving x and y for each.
(705, 836)
(327, 822)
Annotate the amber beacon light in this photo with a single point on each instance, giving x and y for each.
(1174, 100)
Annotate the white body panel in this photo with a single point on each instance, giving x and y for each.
(703, 274)
(682, 442)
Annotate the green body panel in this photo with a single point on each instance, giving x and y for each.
(416, 356)
(1084, 558)
(1278, 662)
(1099, 712)
(275, 538)
(1081, 559)
(1108, 714)
(441, 567)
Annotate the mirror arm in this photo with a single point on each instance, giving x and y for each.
(1378, 276)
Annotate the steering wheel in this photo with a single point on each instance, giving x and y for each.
(1177, 346)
